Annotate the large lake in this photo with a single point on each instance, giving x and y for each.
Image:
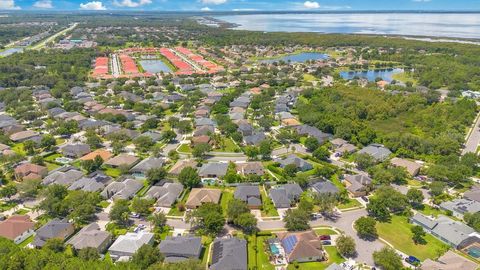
(297, 58)
(154, 66)
(371, 75)
(456, 25)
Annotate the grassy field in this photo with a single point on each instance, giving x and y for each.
(398, 233)
(333, 257)
(227, 196)
(4, 206)
(51, 166)
(22, 211)
(268, 209)
(325, 231)
(52, 157)
(257, 253)
(185, 148)
(229, 146)
(309, 78)
(430, 211)
(27, 241)
(112, 172)
(352, 203)
(404, 77)
(18, 148)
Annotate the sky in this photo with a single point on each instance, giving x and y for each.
(240, 5)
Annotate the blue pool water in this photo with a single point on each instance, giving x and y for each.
(297, 58)
(474, 252)
(371, 75)
(274, 249)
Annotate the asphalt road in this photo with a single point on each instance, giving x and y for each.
(474, 139)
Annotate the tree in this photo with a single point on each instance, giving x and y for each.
(208, 219)
(473, 220)
(364, 161)
(146, 256)
(415, 197)
(201, 149)
(184, 126)
(311, 143)
(169, 135)
(235, 208)
(88, 254)
(246, 221)
(30, 188)
(290, 170)
(8, 191)
(189, 177)
(158, 220)
(143, 143)
(296, 220)
(326, 202)
(265, 149)
(437, 188)
(252, 152)
(47, 142)
(119, 212)
(93, 140)
(155, 175)
(365, 227)
(54, 244)
(321, 153)
(29, 147)
(82, 205)
(141, 206)
(418, 235)
(388, 259)
(54, 204)
(346, 246)
(378, 210)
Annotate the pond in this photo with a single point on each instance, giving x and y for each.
(11, 51)
(297, 58)
(154, 66)
(372, 75)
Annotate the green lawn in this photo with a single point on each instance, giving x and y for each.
(4, 206)
(325, 231)
(205, 254)
(104, 204)
(52, 157)
(309, 77)
(18, 148)
(22, 211)
(268, 209)
(229, 146)
(51, 166)
(227, 196)
(430, 211)
(112, 172)
(352, 203)
(333, 257)
(257, 253)
(398, 233)
(144, 189)
(174, 210)
(27, 241)
(185, 148)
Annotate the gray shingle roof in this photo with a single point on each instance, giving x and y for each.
(229, 254)
(325, 187)
(90, 236)
(147, 164)
(248, 194)
(213, 168)
(166, 195)
(377, 151)
(178, 248)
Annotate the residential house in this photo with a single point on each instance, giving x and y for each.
(245, 129)
(165, 194)
(377, 151)
(229, 254)
(324, 187)
(181, 164)
(91, 236)
(450, 231)
(411, 167)
(104, 154)
(203, 131)
(250, 195)
(199, 196)
(75, 150)
(358, 185)
(300, 163)
(55, 228)
(250, 168)
(449, 261)
(301, 246)
(204, 122)
(26, 135)
(213, 170)
(17, 228)
(122, 160)
(27, 171)
(255, 139)
(64, 176)
(94, 182)
(473, 194)
(122, 190)
(286, 195)
(459, 207)
(180, 248)
(155, 136)
(202, 139)
(147, 164)
(306, 130)
(126, 245)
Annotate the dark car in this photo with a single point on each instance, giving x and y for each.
(365, 198)
(325, 237)
(326, 243)
(412, 260)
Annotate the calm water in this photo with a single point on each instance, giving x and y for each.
(371, 75)
(154, 66)
(11, 51)
(454, 25)
(297, 58)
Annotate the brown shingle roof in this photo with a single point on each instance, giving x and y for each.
(104, 154)
(15, 226)
(199, 196)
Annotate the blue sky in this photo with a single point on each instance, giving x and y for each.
(239, 5)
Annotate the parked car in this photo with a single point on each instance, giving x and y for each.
(326, 243)
(134, 215)
(325, 237)
(412, 260)
(365, 198)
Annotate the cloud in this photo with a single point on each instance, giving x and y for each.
(94, 5)
(206, 9)
(8, 4)
(131, 3)
(213, 2)
(311, 5)
(43, 4)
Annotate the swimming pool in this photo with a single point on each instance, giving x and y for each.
(274, 249)
(474, 251)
